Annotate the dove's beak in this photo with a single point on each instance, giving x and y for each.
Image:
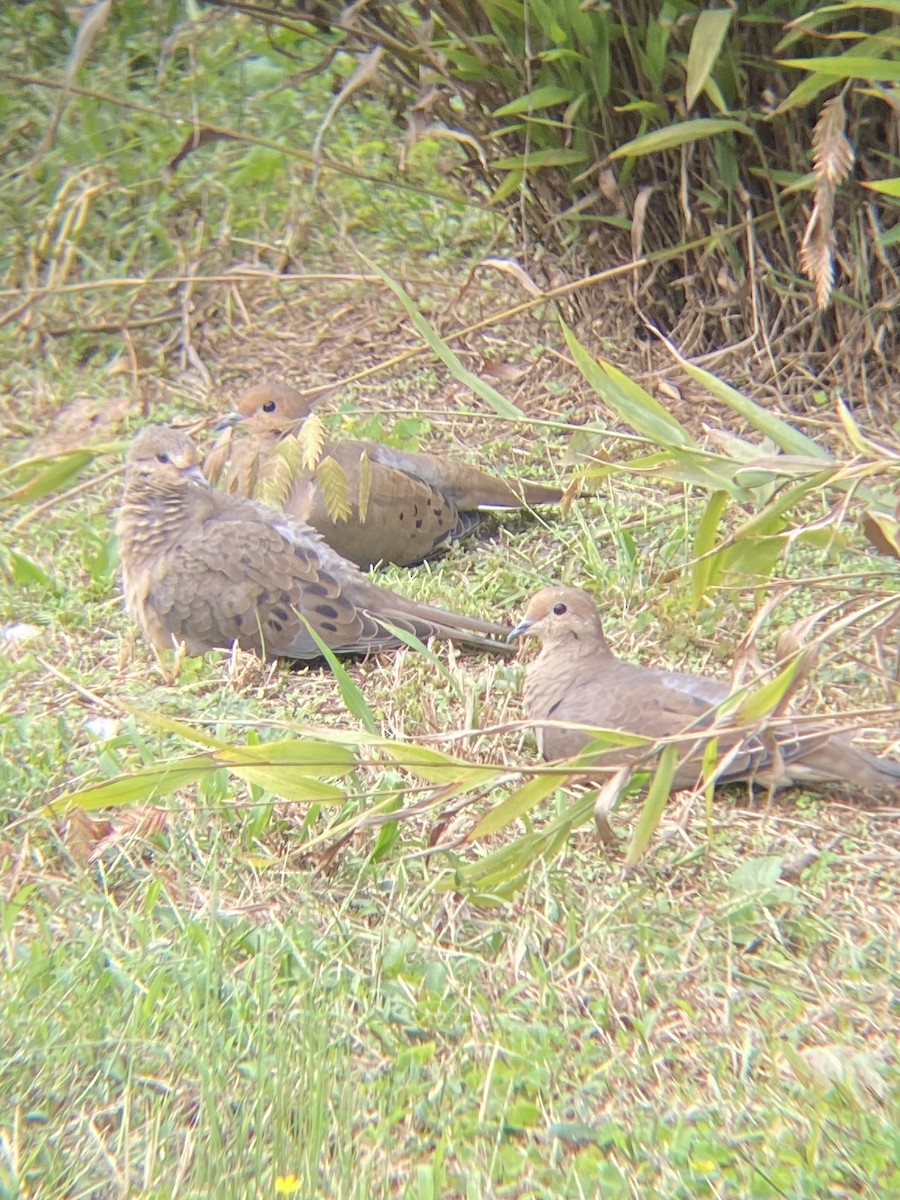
(195, 475)
(229, 421)
(520, 630)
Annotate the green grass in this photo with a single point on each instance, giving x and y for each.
(209, 995)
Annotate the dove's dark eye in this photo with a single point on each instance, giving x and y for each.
(559, 609)
(269, 406)
(163, 458)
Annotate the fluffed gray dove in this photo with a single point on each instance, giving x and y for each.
(577, 678)
(206, 568)
(383, 505)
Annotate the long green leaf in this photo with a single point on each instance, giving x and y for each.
(23, 570)
(481, 388)
(851, 66)
(696, 467)
(316, 759)
(630, 402)
(763, 699)
(539, 159)
(887, 187)
(812, 20)
(678, 135)
(541, 97)
(138, 787)
(46, 475)
(782, 434)
(434, 766)
(510, 182)
(350, 692)
(706, 42)
(414, 643)
(653, 806)
(290, 783)
(705, 563)
(172, 725)
(515, 805)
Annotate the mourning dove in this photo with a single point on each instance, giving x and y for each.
(383, 505)
(576, 678)
(205, 568)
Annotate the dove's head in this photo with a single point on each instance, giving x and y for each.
(162, 460)
(271, 408)
(557, 614)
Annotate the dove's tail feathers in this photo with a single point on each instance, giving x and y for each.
(426, 621)
(839, 760)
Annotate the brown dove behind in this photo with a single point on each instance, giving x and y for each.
(205, 568)
(395, 506)
(576, 678)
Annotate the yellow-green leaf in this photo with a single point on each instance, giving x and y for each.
(46, 475)
(678, 135)
(706, 42)
(365, 485)
(848, 66)
(332, 479)
(349, 689)
(541, 97)
(538, 159)
(887, 187)
(763, 699)
(450, 360)
(785, 436)
(653, 806)
(138, 787)
(317, 759)
(706, 563)
(519, 802)
(628, 399)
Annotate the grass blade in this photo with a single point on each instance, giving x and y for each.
(653, 807)
(426, 330)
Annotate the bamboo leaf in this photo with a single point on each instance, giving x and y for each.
(289, 783)
(46, 475)
(706, 42)
(509, 184)
(350, 692)
(519, 802)
(414, 643)
(23, 570)
(137, 787)
(705, 563)
(541, 97)
(627, 399)
(536, 160)
(171, 725)
(789, 439)
(315, 758)
(886, 187)
(677, 135)
(653, 806)
(699, 468)
(812, 20)
(764, 699)
(479, 386)
(858, 440)
(850, 66)
(434, 766)
(765, 470)
(883, 531)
